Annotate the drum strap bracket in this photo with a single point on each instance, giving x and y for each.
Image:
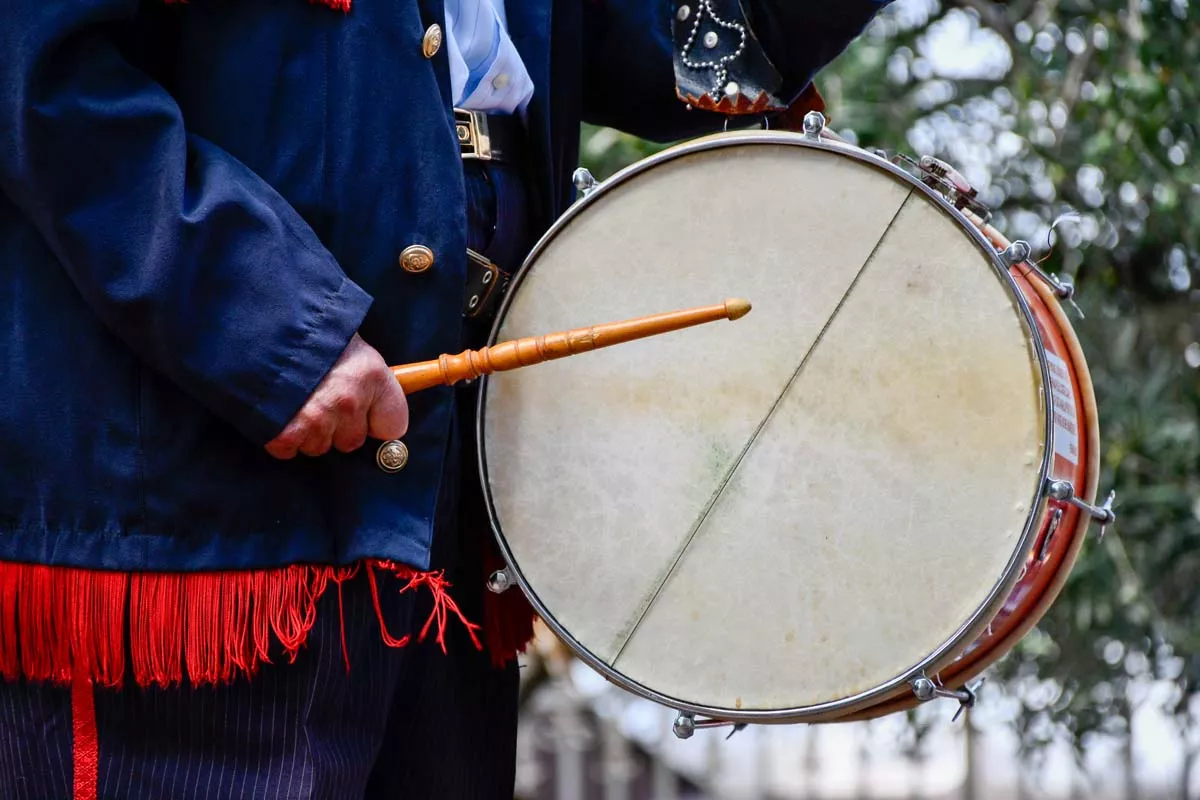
(1064, 491)
(486, 283)
(1019, 254)
(926, 689)
(686, 725)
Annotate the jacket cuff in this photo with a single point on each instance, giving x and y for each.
(331, 324)
(720, 65)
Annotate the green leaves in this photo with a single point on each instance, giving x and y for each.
(1093, 106)
(1103, 99)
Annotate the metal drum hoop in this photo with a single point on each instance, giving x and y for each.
(969, 630)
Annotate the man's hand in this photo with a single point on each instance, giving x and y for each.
(358, 398)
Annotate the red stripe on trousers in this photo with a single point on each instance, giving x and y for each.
(86, 749)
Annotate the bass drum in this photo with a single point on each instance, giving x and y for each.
(806, 515)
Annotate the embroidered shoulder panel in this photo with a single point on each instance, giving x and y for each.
(719, 63)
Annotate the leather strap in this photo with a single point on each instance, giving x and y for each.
(486, 284)
(792, 118)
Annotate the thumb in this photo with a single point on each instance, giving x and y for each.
(388, 416)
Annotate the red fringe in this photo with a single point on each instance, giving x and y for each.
(388, 639)
(235, 619)
(99, 605)
(443, 604)
(10, 657)
(62, 624)
(155, 628)
(340, 576)
(42, 612)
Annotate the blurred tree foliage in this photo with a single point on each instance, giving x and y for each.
(1090, 106)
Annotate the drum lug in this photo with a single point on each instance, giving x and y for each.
(926, 690)
(686, 725)
(500, 581)
(1019, 252)
(814, 125)
(1064, 491)
(585, 182)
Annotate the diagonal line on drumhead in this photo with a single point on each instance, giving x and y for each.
(737, 462)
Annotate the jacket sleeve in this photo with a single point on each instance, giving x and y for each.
(801, 36)
(667, 69)
(191, 259)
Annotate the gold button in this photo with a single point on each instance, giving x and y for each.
(416, 258)
(392, 456)
(432, 41)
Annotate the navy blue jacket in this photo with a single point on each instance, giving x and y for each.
(200, 204)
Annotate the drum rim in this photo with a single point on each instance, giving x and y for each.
(969, 630)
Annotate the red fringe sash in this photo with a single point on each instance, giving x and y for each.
(66, 625)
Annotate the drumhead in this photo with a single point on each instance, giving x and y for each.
(789, 515)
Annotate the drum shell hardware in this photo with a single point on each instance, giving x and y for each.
(1062, 475)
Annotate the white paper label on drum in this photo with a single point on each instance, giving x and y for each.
(1066, 424)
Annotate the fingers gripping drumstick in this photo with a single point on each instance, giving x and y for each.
(448, 370)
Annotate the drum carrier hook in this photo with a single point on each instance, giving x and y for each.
(686, 725)
(958, 191)
(946, 181)
(926, 689)
(1064, 491)
(1019, 254)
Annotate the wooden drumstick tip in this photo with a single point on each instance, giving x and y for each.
(736, 308)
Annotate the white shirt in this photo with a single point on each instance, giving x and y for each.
(486, 71)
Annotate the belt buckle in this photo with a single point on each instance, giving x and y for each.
(471, 128)
(485, 282)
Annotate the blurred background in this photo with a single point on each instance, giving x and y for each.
(1047, 106)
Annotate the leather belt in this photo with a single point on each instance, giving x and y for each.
(489, 137)
(500, 139)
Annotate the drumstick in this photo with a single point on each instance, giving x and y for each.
(448, 370)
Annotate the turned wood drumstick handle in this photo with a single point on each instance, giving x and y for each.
(448, 370)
